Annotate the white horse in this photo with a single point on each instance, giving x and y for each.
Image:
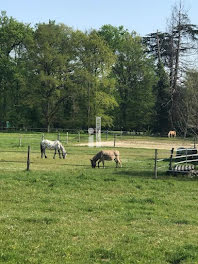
(56, 145)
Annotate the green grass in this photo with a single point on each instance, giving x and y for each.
(63, 211)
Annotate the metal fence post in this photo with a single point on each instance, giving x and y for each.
(171, 159)
(28, 159)
(155, 164)
(195, 141)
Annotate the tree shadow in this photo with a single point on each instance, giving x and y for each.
(147, 174)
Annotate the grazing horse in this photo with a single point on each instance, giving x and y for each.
(106, 155)
(172, 133)
(56, 145)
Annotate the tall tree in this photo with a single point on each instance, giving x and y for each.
(49, 62)
(187, 122)
(181, 31)
(135, 77)
(92, 66)
(172, 47)
(162, 101)
(14, 38)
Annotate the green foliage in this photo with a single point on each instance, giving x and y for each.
(134, 74)
(162, 103)
(54, 76)
(14, 39)
(114, 36)
(49, 69)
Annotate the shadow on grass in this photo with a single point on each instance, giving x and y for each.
(13, 161)
(135, 173)
(148, 174)
(76, 165)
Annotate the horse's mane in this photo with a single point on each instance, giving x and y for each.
(62, 147)
(97, 156)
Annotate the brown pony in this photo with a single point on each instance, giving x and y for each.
(106, 155)
(172, 133)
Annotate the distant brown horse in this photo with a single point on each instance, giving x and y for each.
(172, 133)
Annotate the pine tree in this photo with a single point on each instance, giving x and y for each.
(161, 91)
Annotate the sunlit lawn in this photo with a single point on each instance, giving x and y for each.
(63, 211)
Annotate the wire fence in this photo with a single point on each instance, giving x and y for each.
(133, 157)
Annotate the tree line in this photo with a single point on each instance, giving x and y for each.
(54, 76)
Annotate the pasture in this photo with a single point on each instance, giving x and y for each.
(63, 211)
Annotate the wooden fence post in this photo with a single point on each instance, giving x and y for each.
(79, 136)
(20, 140)
(106, 134)
(67, 138)
(59, 136)
(114, 141)
(155, 164)
(43, 136)
(28, 159)
(171, 159)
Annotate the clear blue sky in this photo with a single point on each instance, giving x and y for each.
(143, 16)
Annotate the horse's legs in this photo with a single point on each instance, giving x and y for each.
(99, 163)
(42, 151)
(59, 154)
(116, 161)
(54, 154)
(45, 154)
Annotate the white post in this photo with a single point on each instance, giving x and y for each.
(90, 137)
(98, 131)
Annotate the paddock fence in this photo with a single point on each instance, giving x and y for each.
(134, 159)
(181, 161)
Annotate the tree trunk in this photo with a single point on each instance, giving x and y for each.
(48, 127)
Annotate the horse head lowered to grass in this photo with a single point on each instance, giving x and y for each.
(56, 145)
(172, 133)
(106, 155)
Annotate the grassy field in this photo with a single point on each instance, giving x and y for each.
(63, 211)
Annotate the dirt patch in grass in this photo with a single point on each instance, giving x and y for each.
(144, 144)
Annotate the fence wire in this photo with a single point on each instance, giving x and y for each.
(18, 142)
